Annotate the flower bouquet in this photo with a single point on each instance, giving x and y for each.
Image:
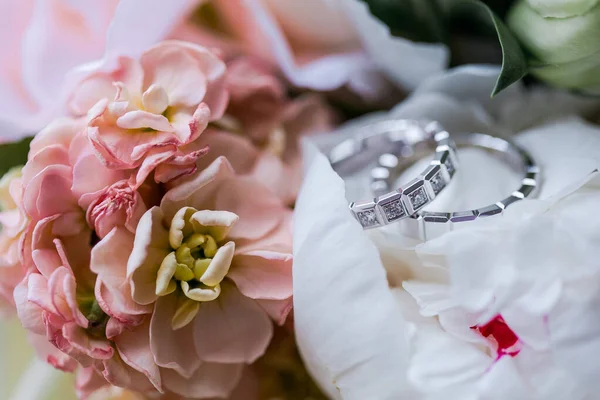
(303, 200)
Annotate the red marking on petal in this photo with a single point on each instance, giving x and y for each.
(501, 335)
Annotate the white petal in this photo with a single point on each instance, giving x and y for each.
(348, 326)
(442, 361)
(391, 53)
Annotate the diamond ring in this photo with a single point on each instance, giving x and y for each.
(426, 225)
(408, 139)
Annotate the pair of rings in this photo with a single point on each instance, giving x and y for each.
(396, 143)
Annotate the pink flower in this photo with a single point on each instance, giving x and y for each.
(257, 97)
(213, 264)
(263, 142)
(143, 114)
(54, 42)
(47, 41)
(12, 224)
(60, 298)
(307, 42)
(322, 45)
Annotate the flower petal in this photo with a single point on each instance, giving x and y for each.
(133, 349)
(151, 246)
(209, 381)
(231, 329)
(143, 119)
(219, 265)
(172, 349)
(263, 275)
(335, 264)
(215, 223)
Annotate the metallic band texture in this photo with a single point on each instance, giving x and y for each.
(426, 225)
(387, 141)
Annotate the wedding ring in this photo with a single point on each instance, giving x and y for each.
(426, 225)
(408, 139)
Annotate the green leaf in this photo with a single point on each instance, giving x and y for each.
(13, 154)
(514, 60)
(418, 20)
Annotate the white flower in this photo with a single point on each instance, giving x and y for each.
(506, 311)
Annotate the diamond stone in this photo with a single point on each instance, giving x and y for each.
(367, 218)
(393, 210)
(449, 166)
(418, 198)
(437, 183)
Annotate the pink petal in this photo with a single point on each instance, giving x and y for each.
(177, 66)
(79, 338)
(259, 213)
(231, 329)
(280, 178)
(87, 381)
(278, 310)
(172, 349)
(263, 275)
(91, 176)
(52, 154)
(118, 373)
(209, 381)
(49, 192)
(38, 293)
(53, 356)
(142, 119)
(139, 24)
(110, 256)
(124, 149)
(238, 150)
(178, 166)
(96, 87)
(194, 191)
(59, 39)
(154, 158)
(151, 246)
(62, 285)
(112, 303)
(133, 348)
(197, 124)
(30, 314)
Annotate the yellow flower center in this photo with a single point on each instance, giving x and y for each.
(198, 261)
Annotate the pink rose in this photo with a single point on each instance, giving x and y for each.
(143, 114)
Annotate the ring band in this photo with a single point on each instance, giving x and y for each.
(400, 137)
(426, 225)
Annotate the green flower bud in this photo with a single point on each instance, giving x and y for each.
(563, 38)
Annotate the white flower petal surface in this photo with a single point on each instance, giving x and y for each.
(348, 325)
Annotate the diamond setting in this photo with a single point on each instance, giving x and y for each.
(393, 210)
(418, 198)
(367, 218)
(437, 183)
